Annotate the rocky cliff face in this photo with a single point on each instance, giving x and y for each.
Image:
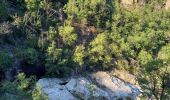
(100, 86)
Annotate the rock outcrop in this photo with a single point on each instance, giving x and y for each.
(127, 2)
(167, 6)
(125, 76)
(101, 86)
(85, 90)
(54, 89)
(116, 87)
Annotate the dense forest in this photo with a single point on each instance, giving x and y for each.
(61, 38)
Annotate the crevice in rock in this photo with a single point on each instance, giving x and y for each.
(63, 83)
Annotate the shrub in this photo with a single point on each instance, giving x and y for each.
(164, 53)
(3, 11)
(68, 35)
(38, 95)
(6, 60)
(79, 55)
(144, 57)
(53, 57)
(23, 83)
(29, 56)
(19, 89)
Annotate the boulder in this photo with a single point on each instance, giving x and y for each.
(116, 87)
(85, 90)
(54, 89)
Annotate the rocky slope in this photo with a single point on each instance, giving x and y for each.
(100, 86)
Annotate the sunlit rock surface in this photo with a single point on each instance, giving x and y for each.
(127, 2)
(167, 6)
(100, 86)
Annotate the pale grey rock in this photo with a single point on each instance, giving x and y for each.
(53, 90)
(116, 87)
(102, 86)
(84, 89)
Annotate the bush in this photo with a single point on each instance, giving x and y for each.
(3, 11)
(79, 55)
(19, 89)
(164, 53)
(144, 57)
(68, 35)
(6, 60)
(38, 95)
(29, 56)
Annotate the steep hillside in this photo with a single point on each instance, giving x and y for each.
(66, 38)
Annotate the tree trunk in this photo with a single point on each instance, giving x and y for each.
(163, 89)
(154, 90)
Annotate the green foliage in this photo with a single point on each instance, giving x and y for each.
(23, 83)
(122, 64)
(19, 89)
(53, 54)
(6, 60)
(98, 51)
(164, 53)
(55, 61)
(91, 88)
(32, 4)
(29, 56)
(156, 74)
(47, 37)
(68, 35)
(38, 95)
(79, 55)
(87, 11)
(3, 10)
(144, 57)
(140, 33)
(92, 34)
(155, 79)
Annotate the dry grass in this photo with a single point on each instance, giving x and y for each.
(125, 76)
